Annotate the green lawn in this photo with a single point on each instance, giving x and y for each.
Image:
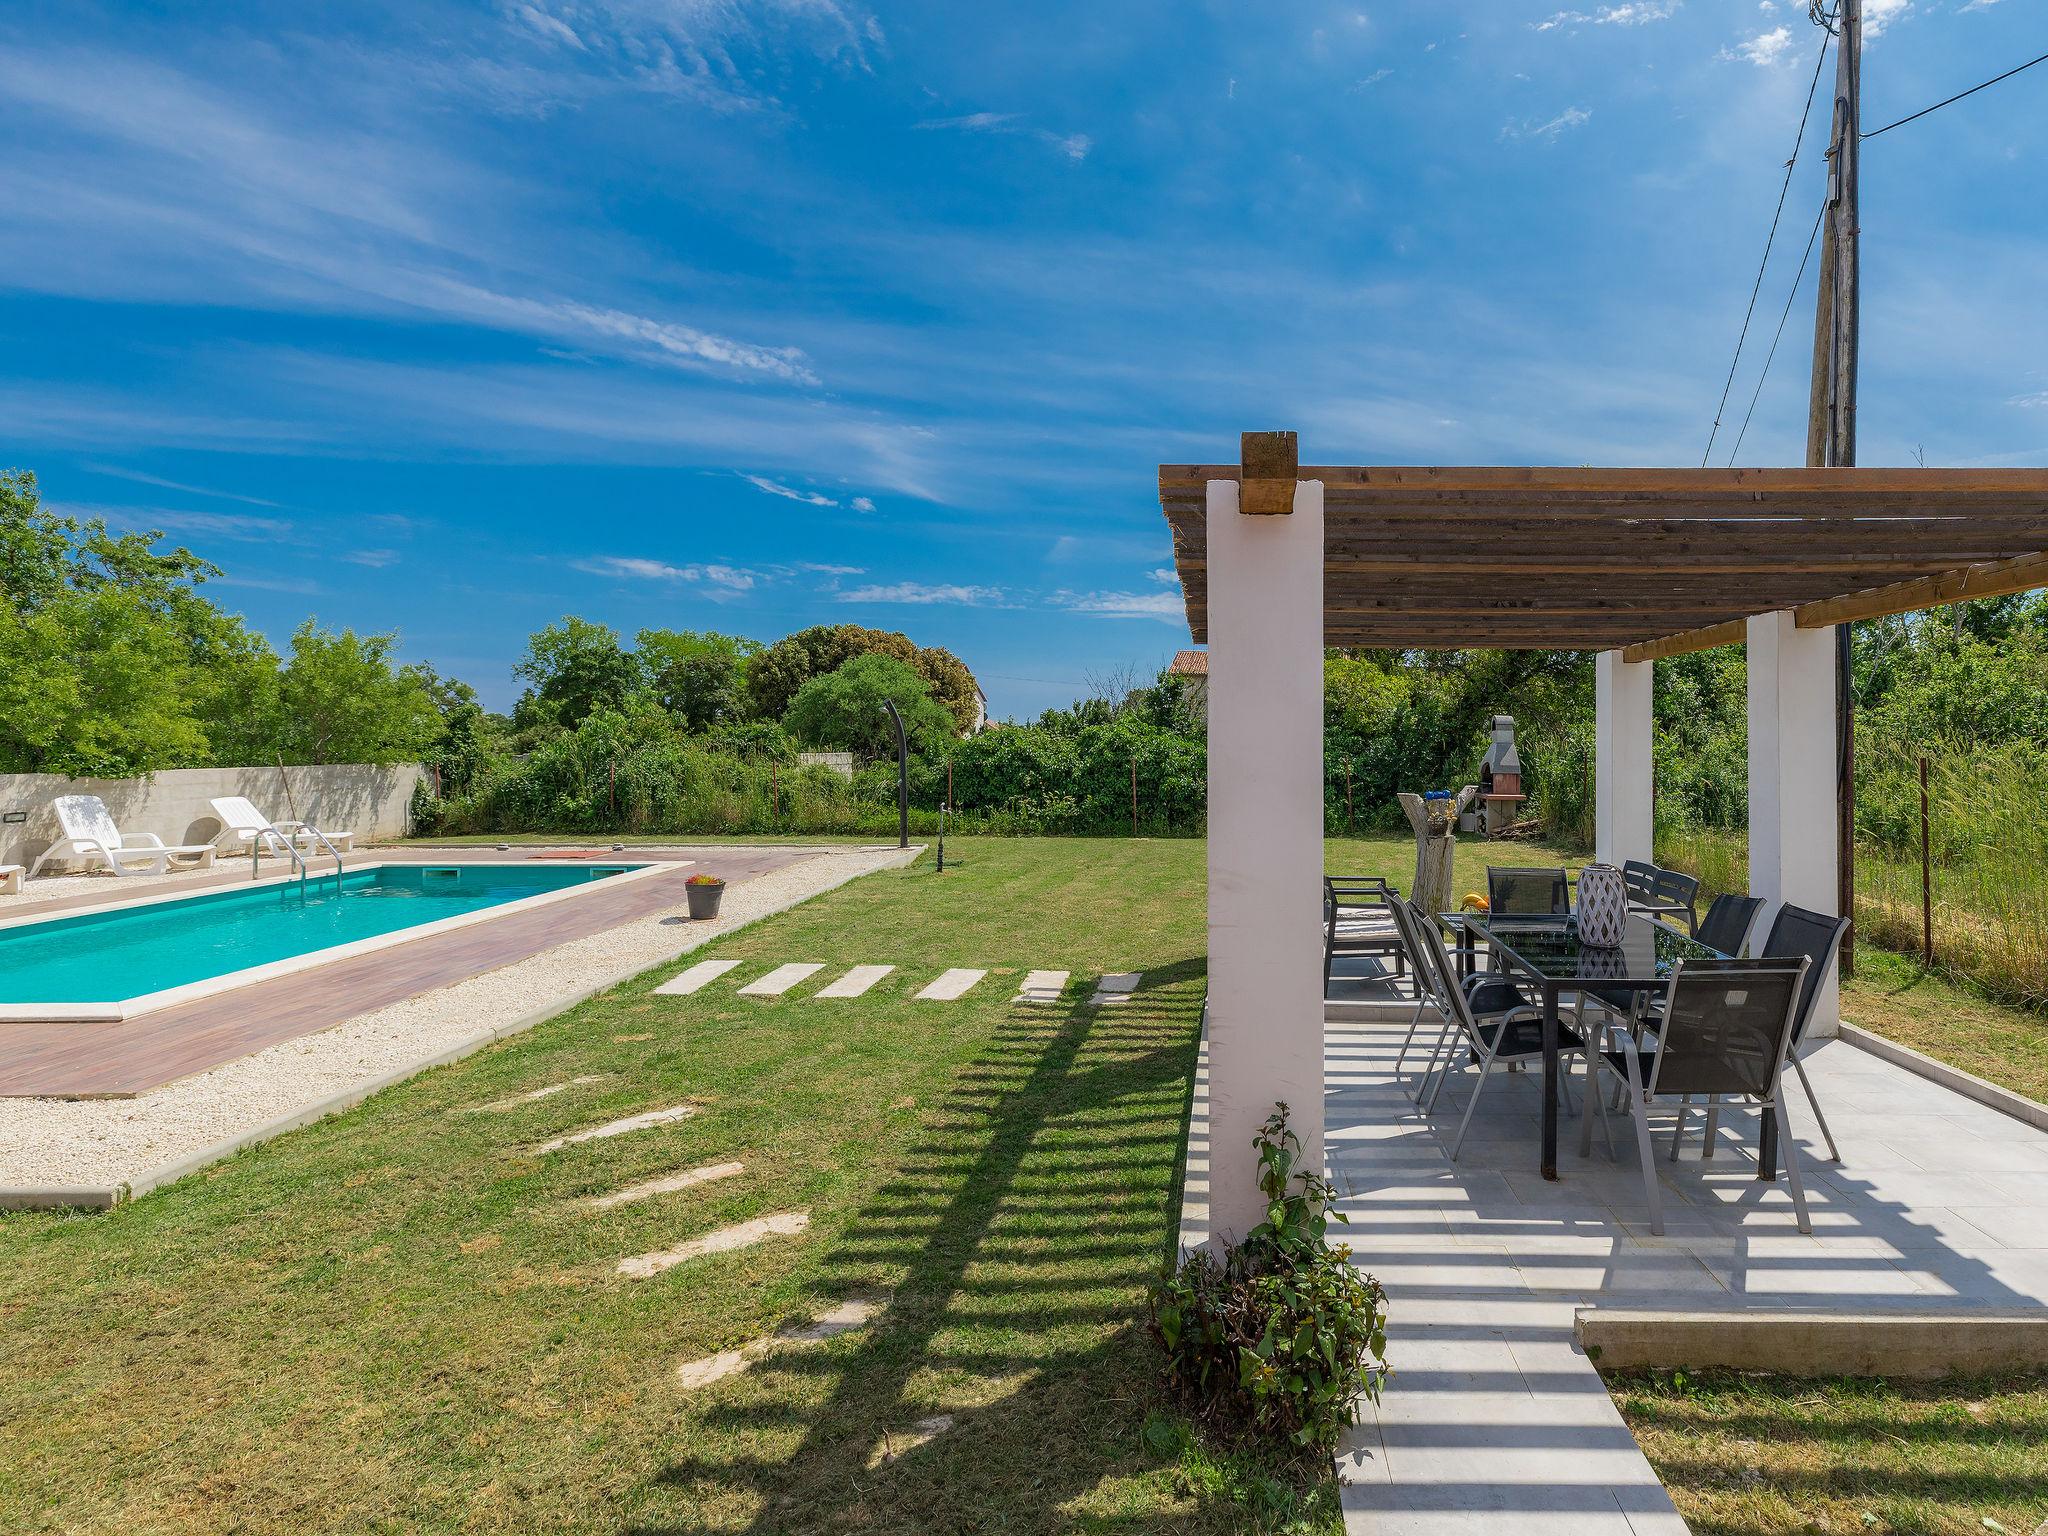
(401, 1320)
(1750, 1456)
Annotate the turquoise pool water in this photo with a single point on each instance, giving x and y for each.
(105, 957)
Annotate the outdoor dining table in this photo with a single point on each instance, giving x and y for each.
(1545, 950)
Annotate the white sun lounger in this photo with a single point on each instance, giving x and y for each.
(243, 826)
(10, 879)
(91, 837)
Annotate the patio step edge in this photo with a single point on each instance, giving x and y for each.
(1918, 1344)
(1955, 1079)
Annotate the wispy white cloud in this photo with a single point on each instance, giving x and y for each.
(219, 525)
(1124, 605)
(1635, 13)
(1763, 50)
(788, 492)
(702, 48)
(1529, 128)
(2032, 402)
(1074, 146)
(862, 504)
(199, 194)
(139, 478)
(920, 593)
(1880, 14)
(375, 559)
(725, 580)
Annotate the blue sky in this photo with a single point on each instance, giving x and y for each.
(454, 318)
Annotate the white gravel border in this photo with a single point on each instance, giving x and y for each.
(99, 1152)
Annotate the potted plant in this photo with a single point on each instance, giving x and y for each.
(704, 892)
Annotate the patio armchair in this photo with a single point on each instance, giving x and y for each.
(1801, 933)
(1495, 1023)
(1727, 1029)
(1527, 892)
(1674, 894)
(1727, 923)
(1639, 877)
(1356, 921)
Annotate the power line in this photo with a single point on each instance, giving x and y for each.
(1959, 95)
(1797, 279)
(1769, 240)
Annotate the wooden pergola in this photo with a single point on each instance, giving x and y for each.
(1277, 561)
(1654, 562)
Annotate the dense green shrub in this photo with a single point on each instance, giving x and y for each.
(1280, 1336)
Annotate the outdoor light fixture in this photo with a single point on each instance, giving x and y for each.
(902, 777)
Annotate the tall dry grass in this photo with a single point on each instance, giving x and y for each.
(1988, 862)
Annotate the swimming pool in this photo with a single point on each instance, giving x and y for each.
(117, 961)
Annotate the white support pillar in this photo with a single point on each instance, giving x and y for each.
(1792, 779)
(1623, 759)
(1265, 839)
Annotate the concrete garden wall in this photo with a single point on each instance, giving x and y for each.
(370, 801)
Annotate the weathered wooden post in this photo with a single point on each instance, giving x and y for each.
(1435, 847)
(1926, 878)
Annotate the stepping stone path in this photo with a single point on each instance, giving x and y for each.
(698, 975)
(667, 1184)
(613, 1128)
(779, 980)
(844, 1318)
(517, 1099)
(646, 1266)
(1043, 987)
(856, 981)
(1116, 987)
(923, 1432)
(952, 984)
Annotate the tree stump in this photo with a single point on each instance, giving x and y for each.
(1435, 848)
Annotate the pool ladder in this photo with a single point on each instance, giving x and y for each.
(292, 848)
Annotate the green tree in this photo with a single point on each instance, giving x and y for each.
(700, 677)
(843, 709)
(341, 700)
(572, 669)
(775, 676)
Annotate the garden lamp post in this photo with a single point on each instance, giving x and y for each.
(902, 777)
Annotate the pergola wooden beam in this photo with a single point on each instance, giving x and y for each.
(1997, 579)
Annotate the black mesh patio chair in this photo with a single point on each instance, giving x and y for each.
(1727, 923)
(1800, 932)
(1356, 921)
(1494, 1024)
(1527, 892)
(1727, 1030)
(1639, 877)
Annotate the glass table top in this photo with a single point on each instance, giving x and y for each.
(1549, 947)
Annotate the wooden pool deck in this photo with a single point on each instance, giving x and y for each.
(132, 1056)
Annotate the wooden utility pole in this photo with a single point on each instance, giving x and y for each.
(1831, 404)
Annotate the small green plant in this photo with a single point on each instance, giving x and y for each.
(1279, 1335)
(703, 880)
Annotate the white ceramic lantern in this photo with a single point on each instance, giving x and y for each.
(1603, 906)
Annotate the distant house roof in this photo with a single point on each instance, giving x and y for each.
(1189, 664)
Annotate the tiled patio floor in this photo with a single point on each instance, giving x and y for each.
(1494, 1419)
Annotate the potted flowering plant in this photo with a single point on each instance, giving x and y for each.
(704, 892)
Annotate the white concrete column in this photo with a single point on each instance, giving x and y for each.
(1265, 839)
(1792, 779)
(1624, 764)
